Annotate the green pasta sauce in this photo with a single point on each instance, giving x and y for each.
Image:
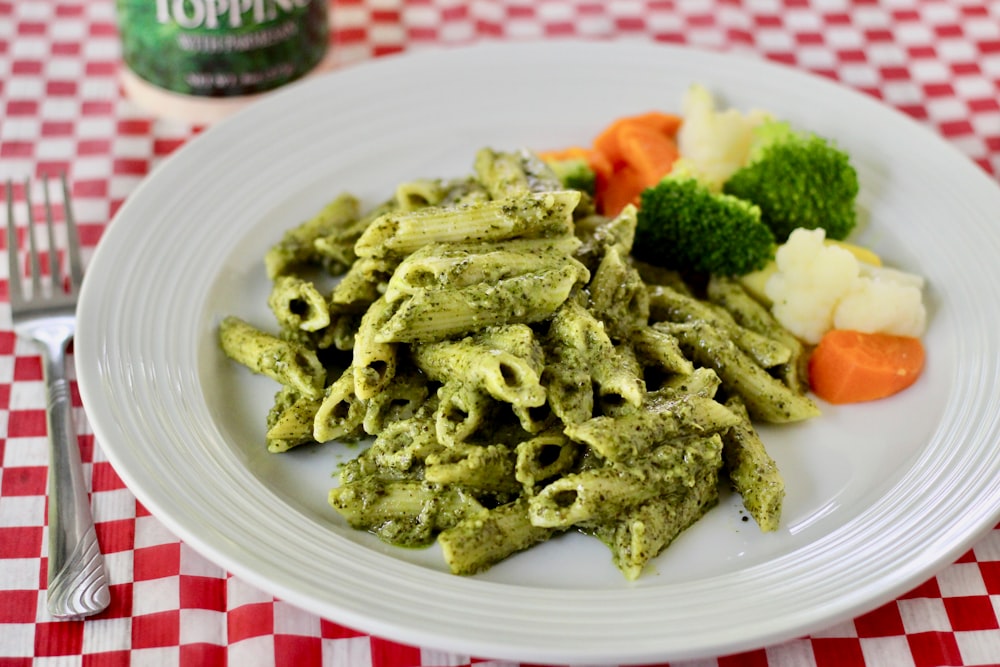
(222, 48)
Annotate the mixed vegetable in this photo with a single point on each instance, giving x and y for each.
(745, 195)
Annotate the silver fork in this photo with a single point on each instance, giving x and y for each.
(77, 581)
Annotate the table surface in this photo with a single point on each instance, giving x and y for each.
(62, 110)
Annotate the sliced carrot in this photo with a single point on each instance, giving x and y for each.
(603, 169)
(651, 152)
(630, 154)
(623, 188)
(666, 123)
(607, 141)
(851, 366)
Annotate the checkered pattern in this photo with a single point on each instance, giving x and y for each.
(61, 110)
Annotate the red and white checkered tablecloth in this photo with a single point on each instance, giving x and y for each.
(61, 109)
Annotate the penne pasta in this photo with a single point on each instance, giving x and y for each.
(287, 362)
(374, 361)
(482, 540)
(766, 397)
(752, 471)
(504, 376)
(298, 305)
(432, 315)
(341, 412)
(297, 247)
(513, 373)
(454, 265)
(538, 215)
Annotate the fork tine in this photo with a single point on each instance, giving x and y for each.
(36, 266)
(54, 268)
(72, 239)
(13, 265)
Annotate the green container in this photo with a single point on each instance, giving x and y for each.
(222, 48)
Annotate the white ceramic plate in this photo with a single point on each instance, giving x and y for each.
(880, 496)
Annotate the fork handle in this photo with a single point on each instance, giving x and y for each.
(77, 581)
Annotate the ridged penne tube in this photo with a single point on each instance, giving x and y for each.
(504, 376)
(567, 377)
(533, 418)
(750, 313)
(644, 531)
(501, 173)
(541, 177)
(636, 434)
(701, 381)
(516, 339)
(661, 350)
(579, 340)
(619, 383)
(343, 329)
(337, 247)
(767, 398)
(455, 265)
(543, 457)
(403, 446)
(630, 376)
(287, 362)
(618, 296)
(480, 468)
(323, 338)
(673, 306)
(399, 400)
(540, 215)
(402, 512)
(293, 425)
(297, 246)
(507, 174)
(465, 190)
(341, 412)
(570, 392)
(600, 234)
(419, 193)
(462, 409)
(484, 539)
(363, 283)
(753, 472)
(298, 304)
(374, 361)
(598, 494)
(430, 315)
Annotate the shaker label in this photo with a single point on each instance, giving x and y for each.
(212, 14)
(222, 48)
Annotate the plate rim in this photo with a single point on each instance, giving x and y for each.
(91, 385)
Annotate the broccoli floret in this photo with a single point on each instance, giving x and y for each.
(683, 225)
(798, 180)
(574, 174)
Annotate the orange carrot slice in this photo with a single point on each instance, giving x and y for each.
(622, 189)
(651, 152)
(851, 366)
(607, 141)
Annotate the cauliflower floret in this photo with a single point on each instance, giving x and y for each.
(817, 287)
(713, 143)
(883, 306)
(811, 279)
